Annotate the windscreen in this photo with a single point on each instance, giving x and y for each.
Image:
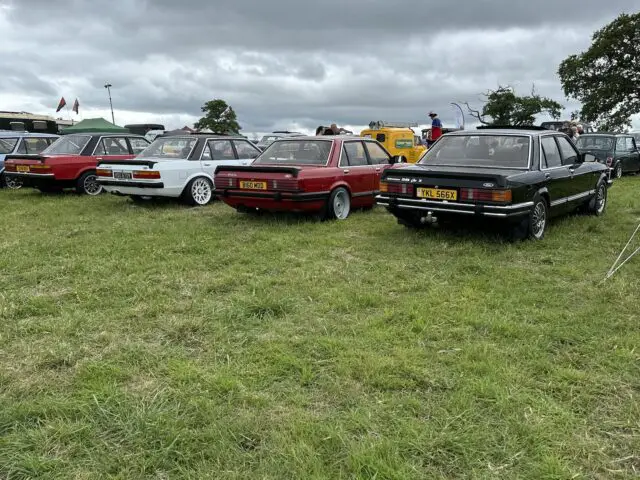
(169, 148)
(494, 151)
(295, 152)
(594, 142)
(68, 145)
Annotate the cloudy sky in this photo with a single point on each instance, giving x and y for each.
(285, 64)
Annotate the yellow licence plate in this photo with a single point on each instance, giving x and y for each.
(437, 194)
(253, 185)
(22, 168)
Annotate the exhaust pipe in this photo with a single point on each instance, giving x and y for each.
(429, 219)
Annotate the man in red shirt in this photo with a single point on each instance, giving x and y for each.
(436, 126)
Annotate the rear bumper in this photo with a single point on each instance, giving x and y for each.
(118, 183)
(455, 208)
(281, 201)
(36, 180)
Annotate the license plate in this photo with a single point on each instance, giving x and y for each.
(437, 194)
(22, 168)
(253, 185)
(122, 175)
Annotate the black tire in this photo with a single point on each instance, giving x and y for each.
(339, 205)
(14, 183)
(596, 206)
(617, 172)
(198, 192)
(87, 184)
(535, 224)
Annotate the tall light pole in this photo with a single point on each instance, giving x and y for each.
(108, 87)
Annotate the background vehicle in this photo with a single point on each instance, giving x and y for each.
(561, 125)
(325, 174)
(396, 138)
(143, 128)
(70, 162)
(617, 151)
(27, 122)
(152, 134)
(177, 166)
(518, 176)
(22, 143)
(267, 140)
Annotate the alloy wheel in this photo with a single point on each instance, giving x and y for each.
(201, 191)
(91, 185)
(539, 220)
(601, 199)
(341, 205)
(13, 183)
(618, 171)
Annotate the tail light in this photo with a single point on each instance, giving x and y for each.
(226, 182)
(146, 174)
(285, 184)
(103, 172)
(405, 189)
(609, 161)
(10, 167)
(39, 168)
(485, 195)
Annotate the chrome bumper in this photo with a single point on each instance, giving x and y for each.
(497, 211)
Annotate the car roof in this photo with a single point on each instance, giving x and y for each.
(103, 134)
(321, 137)
(606, 134)
(204, 135)
(13, 133)
(503, 131)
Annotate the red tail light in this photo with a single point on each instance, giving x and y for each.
(609, 161)
(405, 189)
(103, 172)
(146, 174)
(484, 195)
(226, 182)
(284, 184)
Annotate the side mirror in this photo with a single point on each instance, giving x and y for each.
(587, 157)
(398, 159)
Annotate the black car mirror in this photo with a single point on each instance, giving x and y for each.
(398, 159)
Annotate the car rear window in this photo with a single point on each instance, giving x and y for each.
(595, 142)
(170, 148)
(68, 145)
(296, 152)
(498, 151)
(7, 145)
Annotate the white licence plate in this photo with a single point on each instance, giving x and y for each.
(122, 175)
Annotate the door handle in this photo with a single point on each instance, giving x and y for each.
(571, 170)
(378, 169)
(207, 164)
(547, 176)
(346, 170)
(99, 158)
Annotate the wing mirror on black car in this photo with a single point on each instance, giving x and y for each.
(398, 159)
(586, 157)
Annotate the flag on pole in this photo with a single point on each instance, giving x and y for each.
(76, 106)
(61, 104)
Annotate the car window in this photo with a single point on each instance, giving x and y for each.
(550, 153)
(138, 145)
(7, 145)
(354, 154)
(245, 149)
(630, 144)
(621, 144)
(221, 150)
(569, 155)
(377, 155)
(112, 146)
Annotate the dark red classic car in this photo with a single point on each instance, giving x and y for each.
(327, 174)
(70, 162)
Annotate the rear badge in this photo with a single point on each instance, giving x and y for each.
(488, 185)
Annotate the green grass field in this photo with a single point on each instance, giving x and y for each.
(170, 342)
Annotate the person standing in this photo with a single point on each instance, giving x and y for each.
(436, 126)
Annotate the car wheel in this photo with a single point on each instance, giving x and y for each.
(88, 184)
(339, 204)
(538, 218)
(598, 203)
(199, 191)
(618, 171)
(14, 183)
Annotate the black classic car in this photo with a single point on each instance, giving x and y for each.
(617, 151)
(521, 176)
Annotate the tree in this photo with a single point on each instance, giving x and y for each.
(219, 118)
(606, 77)
(504, 107)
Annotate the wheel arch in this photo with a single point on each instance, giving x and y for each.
(194, 176)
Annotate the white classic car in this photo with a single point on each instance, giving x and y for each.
(178, 166)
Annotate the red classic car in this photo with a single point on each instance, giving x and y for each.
(70, 162)
(327, 174)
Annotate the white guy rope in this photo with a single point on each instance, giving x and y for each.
(615, 267)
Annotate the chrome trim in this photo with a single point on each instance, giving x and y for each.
(560, 201)
(435, 209)
(34, 175)
(515, 206)
(580, 195)
(498, 215)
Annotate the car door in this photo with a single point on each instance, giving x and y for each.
(217, 152)
(557, 176)
(581, 181)
(356, 170)
(622, 155)
(634, 154)
(380, 159)
(245, 152)
(112, 148)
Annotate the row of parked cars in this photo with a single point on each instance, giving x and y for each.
(518, 177)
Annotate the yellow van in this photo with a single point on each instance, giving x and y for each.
(397, 138)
